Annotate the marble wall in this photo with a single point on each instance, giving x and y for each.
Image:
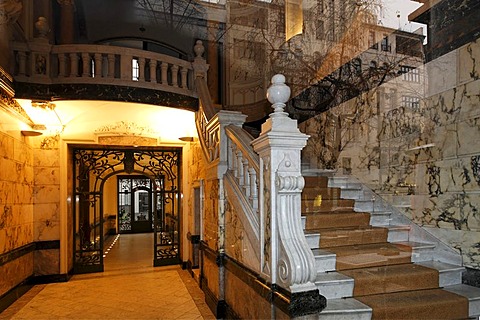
(425, 159)
(46, 209)
(16, 207)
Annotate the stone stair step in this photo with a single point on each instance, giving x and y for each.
(316, 181)
(313, 240)
(418, 304)
(473, 296)
(449, 274)
(398, 233)
(317, 193)
(327, 205)
(380, 218)
(421, 251)
(369, 205)
(336, 237)
(370, 255)
(324, 260)
(392, 278)
(349, 308)
(336, 219)
(334, 285)
(344, 183)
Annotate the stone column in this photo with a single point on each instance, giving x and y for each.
(67, 15)
(9, 12)
(286, 258)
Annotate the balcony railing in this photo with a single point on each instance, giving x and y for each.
(102, 64)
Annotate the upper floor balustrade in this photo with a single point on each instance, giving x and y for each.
(40, 62)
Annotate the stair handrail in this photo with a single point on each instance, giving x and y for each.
(244, 177)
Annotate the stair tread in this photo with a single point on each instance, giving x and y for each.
(332, 277)
(441, 266)
(345, 305)
(415, 245)
(393, 278)
(345, 229)
(322, 253)
(469, 292)
(370, 255)
(419, 304)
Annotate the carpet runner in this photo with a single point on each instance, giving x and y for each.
(385, 278)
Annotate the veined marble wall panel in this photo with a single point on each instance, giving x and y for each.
(435, 150)
(244, 300)
(466, 241)
(46, 262)
(237, 244)
(468, 57)
(47, 203)
(442, 73)
(210, 221)
(16, 190)
(14, 272)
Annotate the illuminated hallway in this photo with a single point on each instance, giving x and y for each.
(130, 288)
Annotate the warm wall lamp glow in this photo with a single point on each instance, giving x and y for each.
(42, 114)
(187, 139)
(31, 133)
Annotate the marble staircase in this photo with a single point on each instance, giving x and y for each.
(373, 263)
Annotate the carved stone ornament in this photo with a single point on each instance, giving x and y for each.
(9, 11)
(125, 128)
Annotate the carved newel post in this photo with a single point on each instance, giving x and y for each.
(286, 258)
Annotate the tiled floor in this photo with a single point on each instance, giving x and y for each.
(130, 288)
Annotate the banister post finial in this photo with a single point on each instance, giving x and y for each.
(278, 94)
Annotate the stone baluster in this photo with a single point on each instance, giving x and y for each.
(141, 69)
(126, 67)
(246, 178)
(286, 260)
(86, 62)
(152, 64)
(164, 70)
(22, 63)
(175, 75)
(111, 66)
(62, 65)
(183, 78)
(253, 188)
(73, 65)
(239, 161)
(98, 64)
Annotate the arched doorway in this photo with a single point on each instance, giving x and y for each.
(158, 210)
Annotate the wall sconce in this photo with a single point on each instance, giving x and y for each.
(43, 116)
(187, 139)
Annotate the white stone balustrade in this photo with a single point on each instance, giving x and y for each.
(102, 64)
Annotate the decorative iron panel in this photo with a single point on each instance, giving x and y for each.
(92, 167)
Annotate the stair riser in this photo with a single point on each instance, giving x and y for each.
(450, 278)
(326, 205)
(328, 240)
(422, 254)
(380, 219)
(312, 240)
(345, 185)
(325, 264)
(336, 290)
(368, 206)
(321, 182)
(332, 220)
(325, 193)
(398, 235)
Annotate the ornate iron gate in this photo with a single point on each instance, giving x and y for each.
(92, 167)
